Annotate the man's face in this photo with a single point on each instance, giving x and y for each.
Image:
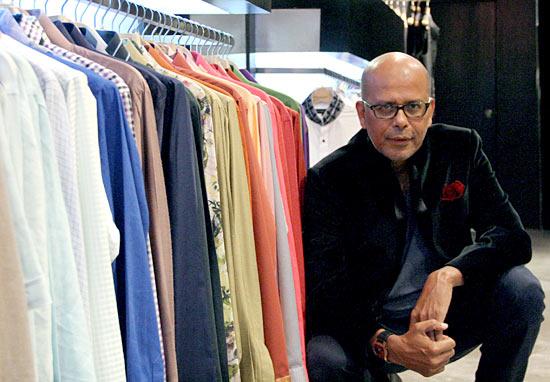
(397, 138)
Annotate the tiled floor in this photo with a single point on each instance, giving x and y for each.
(539, 362)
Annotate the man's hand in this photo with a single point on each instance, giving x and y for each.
(416, 351)
(435, 299)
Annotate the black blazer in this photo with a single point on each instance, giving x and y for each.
(354, 230)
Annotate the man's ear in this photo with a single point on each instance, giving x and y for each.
(360, 107)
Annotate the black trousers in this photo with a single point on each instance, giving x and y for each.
(502, 315)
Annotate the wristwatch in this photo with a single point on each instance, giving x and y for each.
(380, 345)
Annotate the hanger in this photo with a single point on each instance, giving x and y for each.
(228, 46)
(155, 24)
(199, 38)
(63, 6)
(230, 43)
(95, 15)
(168, 29)
(75, 10)
(83, 12)
(206, 38)
(138, 7)
(105, 14)
(192, 35)
(115, 15)
(212, 40)
(142, 34)
(203, 39)
(176, 32)
(119, 45)
(427, 15)
(128, 11)
(164, 25)
(322, 95)
(184, 30)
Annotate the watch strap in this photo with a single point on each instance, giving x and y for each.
(380, 346)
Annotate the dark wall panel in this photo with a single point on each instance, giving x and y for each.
(518, 123)
(465, 79)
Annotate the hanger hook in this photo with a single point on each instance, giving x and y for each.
(153, 13)
(138, 7)
(218, 41)
(76, 9)
(188, 28)
(169, 28)
(105, 14)
(143, 20)
(211, 38)
(182, 30)
(83, 12)
(177, 31)
(223, 44)
(218, 38)
(116, 14)
(63, 5)
(229, 45)
(162, 25)
(95, 14)
(202, 39)
(212, 33)
(128, 11)
(194, 34)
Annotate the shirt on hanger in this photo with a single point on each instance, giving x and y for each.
(330, 129)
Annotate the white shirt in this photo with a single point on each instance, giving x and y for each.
(22, 158)
(324, 139)
(97, 224)
(71, 340)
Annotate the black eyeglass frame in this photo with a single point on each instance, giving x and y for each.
(400, 107)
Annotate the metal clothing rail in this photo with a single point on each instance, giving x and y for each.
(153, 22)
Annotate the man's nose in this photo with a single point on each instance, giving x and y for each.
(400, 120)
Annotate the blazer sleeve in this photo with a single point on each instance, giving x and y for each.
(501, 241)
(333, 304)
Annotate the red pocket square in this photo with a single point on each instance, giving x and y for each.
(452, 191)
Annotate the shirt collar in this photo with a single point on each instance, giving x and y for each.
(9, 26)
(328, 115)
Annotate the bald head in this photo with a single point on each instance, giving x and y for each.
(393, 67)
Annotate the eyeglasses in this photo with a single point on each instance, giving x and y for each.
(414, 109)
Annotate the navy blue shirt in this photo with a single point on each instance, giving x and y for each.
(419, 260)
(198, 357)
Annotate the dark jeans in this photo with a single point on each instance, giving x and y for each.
(504, 316)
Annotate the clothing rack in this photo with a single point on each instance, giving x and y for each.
(156, 23)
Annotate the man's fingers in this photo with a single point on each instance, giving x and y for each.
(430, 325)
(445, 345)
